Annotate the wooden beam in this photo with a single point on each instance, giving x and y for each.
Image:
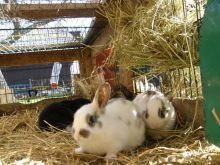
(29, 58)
(45, 11)
(98, 25)
(13, 108)
(86, 66)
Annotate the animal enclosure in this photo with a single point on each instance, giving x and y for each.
(48, 51)
(54, 50)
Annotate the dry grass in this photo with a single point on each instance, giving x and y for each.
(158, 37)
(183, 82)
(160, 34)
(88, 86)
(21, 141)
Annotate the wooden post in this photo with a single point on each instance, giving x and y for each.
(86, 66)
(20, 59)
(125, 77)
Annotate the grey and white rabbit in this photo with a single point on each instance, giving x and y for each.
(106, 127)
(158, 113)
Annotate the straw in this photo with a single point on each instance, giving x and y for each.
(22, 141)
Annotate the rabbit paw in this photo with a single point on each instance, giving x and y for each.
(110, 156)
(79, 150)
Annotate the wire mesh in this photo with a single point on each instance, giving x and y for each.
(57, 31)
(44, 39)
(52, 35)
(50, 1)
(19, 34)
(182, 82)
(29, 84)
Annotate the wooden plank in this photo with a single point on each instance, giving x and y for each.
(98, 25)
(13, 108)
(189, 110)
(19, 59)
(44, 11)
(86, 65)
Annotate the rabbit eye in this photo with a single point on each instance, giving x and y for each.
(162, 112)
(91, 120)
(146, 114)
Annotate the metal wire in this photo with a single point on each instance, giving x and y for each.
(35, 82)
(21, 35)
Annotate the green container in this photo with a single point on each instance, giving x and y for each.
(209, 50)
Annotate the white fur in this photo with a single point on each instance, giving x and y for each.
(141, 101)
(151, 104)
(122, 128)
(154, 121)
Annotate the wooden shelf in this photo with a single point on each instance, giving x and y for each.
(42, 57)
(45, 11)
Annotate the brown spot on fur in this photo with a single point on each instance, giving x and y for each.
(84, 133)
(150, 93)
(121, 91)
(146, 114)
(118, 94)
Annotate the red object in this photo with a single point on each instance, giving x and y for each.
(101, 57)
(54, 85)
(109, 73)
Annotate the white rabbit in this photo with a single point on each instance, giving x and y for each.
(158, 113)
(107, 126)
(141, 100)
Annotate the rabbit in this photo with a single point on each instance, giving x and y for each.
(142, 99)
(107, 126)
(60, 114)
(121, 90)
(157, 111)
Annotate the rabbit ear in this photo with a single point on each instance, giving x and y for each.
(169, 96)
(102, 96)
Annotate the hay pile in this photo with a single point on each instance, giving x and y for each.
(22, 143)
(87, 86)
(162, 35)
